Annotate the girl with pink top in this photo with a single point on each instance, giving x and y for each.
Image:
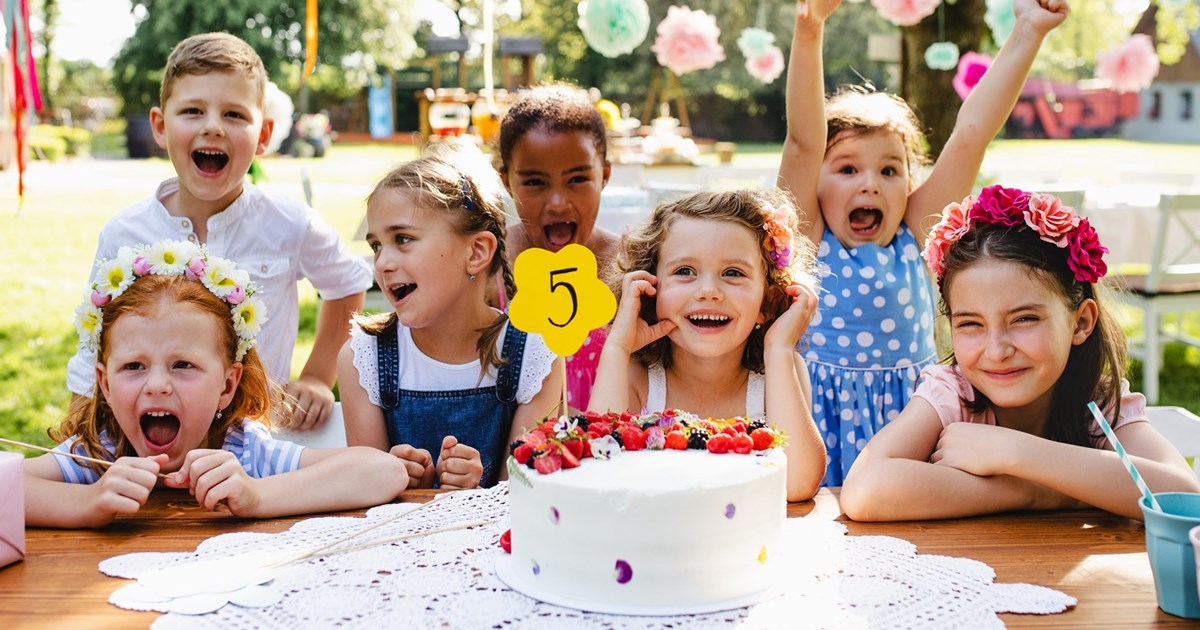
(1003, 423)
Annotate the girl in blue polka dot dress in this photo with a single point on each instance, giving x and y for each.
(855, 159)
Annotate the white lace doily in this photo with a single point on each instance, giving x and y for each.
(448, 580)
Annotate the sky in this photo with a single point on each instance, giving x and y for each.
(91, 29)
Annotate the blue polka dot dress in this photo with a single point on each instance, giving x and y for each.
(870, 338)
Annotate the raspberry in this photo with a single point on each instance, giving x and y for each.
(632, 438)
(698, 438)
(762, 439)
(676, 441)
(522, 453)
(742, 444)
(548, 463)
(506, 541)
(719, 443)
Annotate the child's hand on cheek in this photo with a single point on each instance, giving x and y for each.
(218, 481)
(418, 463)
(790, 326)
(459, 465)
(125, 486)
(629, 331)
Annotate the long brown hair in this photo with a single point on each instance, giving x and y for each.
(748, 208)
(1094, 368)
(472, 204)
(149, 296)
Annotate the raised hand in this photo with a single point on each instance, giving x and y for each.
(787, 329)
(1042, 15)
(629, 331)
(816, 10)
(125, 486)
(459, 466)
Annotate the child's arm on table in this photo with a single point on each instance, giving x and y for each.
(310, 396)
(983, 114)
(789, 395)
(804, 148)
(122, 489)
(327, 480)
(893, 479)
(1093, 476)
(618, 377)
(531, 414)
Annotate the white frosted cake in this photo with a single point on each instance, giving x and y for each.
(649, 532)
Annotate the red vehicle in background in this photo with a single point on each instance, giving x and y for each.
(1049, 109)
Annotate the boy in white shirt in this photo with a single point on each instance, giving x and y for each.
(210, 121)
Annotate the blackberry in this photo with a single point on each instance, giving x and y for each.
(756, 424)
(513, 447)
(698, 438)
(616, 435)
(582, 421)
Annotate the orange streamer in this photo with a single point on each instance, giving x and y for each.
(310, 39)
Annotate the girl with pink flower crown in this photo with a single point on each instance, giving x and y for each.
(1004, 423)
(714, 292)
(852, 165)
(182, 399)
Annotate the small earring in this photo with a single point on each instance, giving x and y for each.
(757, 326)
(472, 277)
(220, 413)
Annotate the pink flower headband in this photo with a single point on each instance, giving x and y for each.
(1009, 207)
(172, 258)
(778, 239)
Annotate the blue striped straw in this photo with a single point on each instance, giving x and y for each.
(1133, 471)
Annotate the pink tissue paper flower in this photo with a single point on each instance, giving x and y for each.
(767, 67)
(956, 220)
(1129, 66)
(687, 41)
(971, 68)
(1052, 220)
(1001, 206)
(1084, 253)
(905, 12)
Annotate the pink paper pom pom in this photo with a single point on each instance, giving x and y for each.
(687, 40)
(971, 68)
(905, 12)
(1129, 66)
(767, 67)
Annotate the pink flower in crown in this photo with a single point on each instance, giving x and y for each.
(956, 220)
(141, 266)
(1085, 254)
(778, 240)
(195, 268)
(1052, 220)
(236, 295)
(100, 298)
(1001, 206)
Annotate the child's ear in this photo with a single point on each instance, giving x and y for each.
(482, 248)
(233, 378)
(1086, 317)
(158, 126)
(101, 380)
(264, 135)
(607, 173)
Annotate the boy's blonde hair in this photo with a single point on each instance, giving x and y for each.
(641, 249)
(856, 111)
(213, 52)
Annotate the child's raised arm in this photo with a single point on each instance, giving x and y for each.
(52, 502)
(804, 148)
(789, 395)
(629, 333)
(983, 114)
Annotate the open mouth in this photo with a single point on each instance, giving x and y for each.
(863, 220)
(559, 235)
(401, 291)
(160, 428)
(209, 161)
(711, 321)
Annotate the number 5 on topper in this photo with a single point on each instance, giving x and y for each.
(560, 297)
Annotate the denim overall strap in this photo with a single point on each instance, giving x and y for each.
(387, 353)
(509, 375)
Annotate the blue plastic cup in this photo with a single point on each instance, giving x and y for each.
(1172, 558)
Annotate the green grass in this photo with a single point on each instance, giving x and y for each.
(46, 247)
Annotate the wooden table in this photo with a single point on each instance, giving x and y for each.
(1096, 557)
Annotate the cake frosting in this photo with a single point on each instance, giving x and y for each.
(649, 531)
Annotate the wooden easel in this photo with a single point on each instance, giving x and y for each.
(662, 92)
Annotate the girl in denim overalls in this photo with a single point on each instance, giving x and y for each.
(444, 381)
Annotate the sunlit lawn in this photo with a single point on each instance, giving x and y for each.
(47, 245)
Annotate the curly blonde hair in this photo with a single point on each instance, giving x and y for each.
(749, 208)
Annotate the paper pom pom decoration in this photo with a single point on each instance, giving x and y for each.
(768, 67)
(905, 12)
(1000, 19)
(756, 42)
(687, 41)
(1129, 66)
(971, 68)
(614, 27)
(941, 56)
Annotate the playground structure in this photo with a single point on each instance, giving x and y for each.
(1048, 109)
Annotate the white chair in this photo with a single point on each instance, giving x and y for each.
(1070, 197)
(332, 434)
(1181, 428)
(1171, 284)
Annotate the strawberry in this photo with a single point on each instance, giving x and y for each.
(719, 443)
(600, 428)
(742, 444)
(739, 426)
(548, 463)
(506, 541)
(632, 438)
(569, 459)
(593, 416)
(575, 447)
(546, 428)
(762, 439)
(729, 430)
(676, 440)
(533, 438)
(587, 449)
(523, 452)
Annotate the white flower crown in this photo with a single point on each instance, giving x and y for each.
(172, 258)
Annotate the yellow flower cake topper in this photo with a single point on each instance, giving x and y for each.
(560, 297)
